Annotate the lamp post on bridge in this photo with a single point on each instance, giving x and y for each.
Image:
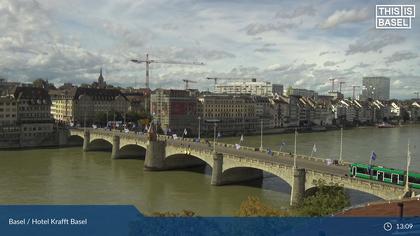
(341, 146)
(295, 151)
(199, 128)
(214, 122)
(261, 143)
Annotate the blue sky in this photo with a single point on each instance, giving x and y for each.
(296, 43)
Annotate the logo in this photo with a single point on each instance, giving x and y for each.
(394, 16)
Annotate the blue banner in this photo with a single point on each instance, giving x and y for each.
(127, 220)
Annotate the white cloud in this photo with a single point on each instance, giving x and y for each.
(340, 17)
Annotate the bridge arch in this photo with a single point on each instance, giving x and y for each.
(132, 151)
(75, 140)
(283, 172)
(100, 144)
(377, 189)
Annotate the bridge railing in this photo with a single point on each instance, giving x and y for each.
(191, 140)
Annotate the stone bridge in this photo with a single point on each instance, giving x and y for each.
(230, 165)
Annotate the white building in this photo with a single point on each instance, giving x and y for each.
(250, 87)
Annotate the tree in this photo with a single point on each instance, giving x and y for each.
(41, 83)
(325, 200)
(101, 118)
(289, 91)
(183, 213)
(254, 207)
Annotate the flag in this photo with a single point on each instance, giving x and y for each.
(314, 148)
(269, 152)
(282, 144)
(237, 146)
(185, 131)
(408, 158)
(242, 138)
(219, 135)
(373, 156)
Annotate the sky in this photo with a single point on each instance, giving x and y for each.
(301, 44)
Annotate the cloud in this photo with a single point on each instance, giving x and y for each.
(333, 63)
(258, 28)
(400, 56)
(327, 52)
(340, 17)
(374, 42)
(297, 12)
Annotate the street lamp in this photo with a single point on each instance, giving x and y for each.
(261, 143)
(295, 151)
(341, 146)
(199, 128)
(213, 121)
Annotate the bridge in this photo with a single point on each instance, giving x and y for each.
(230, 165)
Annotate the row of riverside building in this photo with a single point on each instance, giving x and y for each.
(29, 115)
(177, 110)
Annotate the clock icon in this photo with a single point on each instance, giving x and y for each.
(387, 226)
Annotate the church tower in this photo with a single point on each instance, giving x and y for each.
(101, 81)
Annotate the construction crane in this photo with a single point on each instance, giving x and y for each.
(417, 93)
(215, 82)
(354, 91)
(340, 85)
(332, 83)
(149, 61)
(187, 81)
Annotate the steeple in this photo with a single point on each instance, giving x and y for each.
(101, 81)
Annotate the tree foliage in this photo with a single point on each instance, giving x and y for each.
(254, 207)
(326, 200)
(183, 213)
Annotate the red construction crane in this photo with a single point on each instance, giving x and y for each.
(149, 61)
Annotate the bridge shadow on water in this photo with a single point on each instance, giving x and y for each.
(269, 182)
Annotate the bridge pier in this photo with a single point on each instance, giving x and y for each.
(86, 140)
(216, 174)
(115, 147)
(298, 187)
(155, 155)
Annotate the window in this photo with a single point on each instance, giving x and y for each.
(361, 170)
(387, 175)
(412, 179)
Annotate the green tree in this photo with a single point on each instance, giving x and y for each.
(325, 200)
(100, 117)
(289, 90)
(254, 207)
(183, 213)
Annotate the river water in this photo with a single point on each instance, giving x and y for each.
(69, 176)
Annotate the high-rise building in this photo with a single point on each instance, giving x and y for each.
(376, 88)
(250, 87)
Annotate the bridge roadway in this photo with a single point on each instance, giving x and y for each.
(230, 165)
(276, 158)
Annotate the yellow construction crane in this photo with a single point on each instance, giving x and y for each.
(149, 61)
(187, 81)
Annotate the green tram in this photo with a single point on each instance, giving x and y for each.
(383, 174)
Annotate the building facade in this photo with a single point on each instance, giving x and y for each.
(82, 105)
(235, 113)
(174, 111)
(376, 88)
(250, 87)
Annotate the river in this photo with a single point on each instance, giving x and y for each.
(70, 176)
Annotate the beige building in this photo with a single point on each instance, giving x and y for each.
(80, 105)
(236, 113)
(9, 131)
